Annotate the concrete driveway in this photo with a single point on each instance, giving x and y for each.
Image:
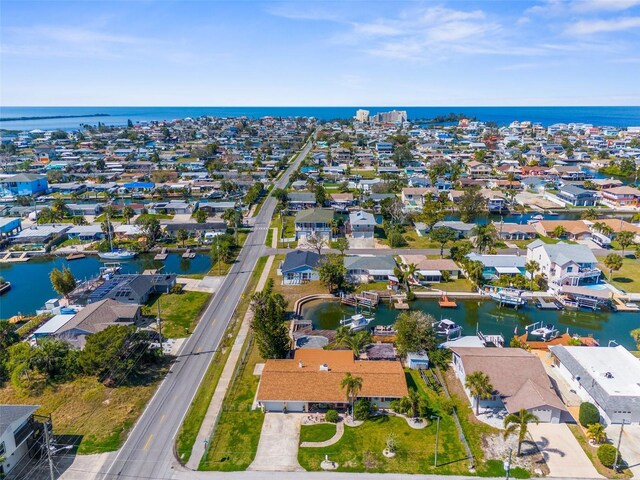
(629, 445)
(278, 446)
(562, 452)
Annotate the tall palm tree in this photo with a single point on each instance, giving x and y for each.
(485, 237)
(532, 267)
(480, 387)
(409, 272)
(519, 422)
(352, 386)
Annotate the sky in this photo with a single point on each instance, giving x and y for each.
(318, 53)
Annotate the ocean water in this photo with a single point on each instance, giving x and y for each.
(609, 116)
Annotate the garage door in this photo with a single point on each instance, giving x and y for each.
(295, 406)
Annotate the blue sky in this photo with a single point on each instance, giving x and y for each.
(207, 52)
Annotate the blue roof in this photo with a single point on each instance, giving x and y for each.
(139, 185)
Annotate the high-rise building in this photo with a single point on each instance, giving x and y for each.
(362, 116)
(394, 116)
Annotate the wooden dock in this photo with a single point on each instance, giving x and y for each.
(621, 306)
(445, 302)
(14, 257)
(563, 339)
(162, 256)
(552, 305)
(363, 299)
(75, 256)
(400, 305)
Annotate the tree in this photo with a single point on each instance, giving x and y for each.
(150, 227)
(443, 235)
(532, 267)
(331, 271)
(414, 333)
(59, 209)
(431, 212)
(613, 262)
(280, 195)
(607, 455)
(182, 235)
(519, 422)
(317, 242)
(596, 433)
(8, 335)
(624, 239)
(589, 213)
(128, 214)
(342, 245)
(480, 388)
(588, 414)
(352, 386)
(475, 271)
(233, 218)
(200, 215)
(268, 323)
(320, 195)
(62, 281)
(485, 237)
(559, 232)
(471, 204)
(356, 341)
(222, 248)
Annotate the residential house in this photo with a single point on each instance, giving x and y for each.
(313, 221)
(132, 288)
(361, 224)
(369, 268)
(575, 229)
(16, 435)
(299, 266)
(564, 264)
(477, 169)
(497, 265)
(515, 231)
(206, 230)
(414, 197)
(577, 196)
(38, 235)
(23, 184)
(342, 201)
(297, 201)
(312, 379)
(431, 270)
(608, 377)
(86, 233)
(10, 226)
(518, 378)
(622, 196)
(171, 207)
(462, 229)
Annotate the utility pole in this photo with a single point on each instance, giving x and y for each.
(435, 457)
(507, 465)
(47, 444)
(159, 320)
(615, 464)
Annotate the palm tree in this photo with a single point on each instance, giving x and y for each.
(233, 218)
(596, 433)
(127, 214)
(59, 208)
(485, 237)
(479, 386)
(518, 422)
(559, 231)
(625, 238)
(613, 262)
(182, 235)
(352, 386)
(532, 267)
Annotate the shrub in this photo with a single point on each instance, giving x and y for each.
(589, 414)
(411, 296)
(331, 416)
(178, 288)
(607, 454)
(362, 409)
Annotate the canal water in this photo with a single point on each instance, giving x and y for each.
(489, 318)
(30, 285)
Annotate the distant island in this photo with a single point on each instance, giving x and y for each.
(451, 117)
(49, 117)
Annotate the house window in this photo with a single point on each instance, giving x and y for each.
(3, 449)
(569, 269)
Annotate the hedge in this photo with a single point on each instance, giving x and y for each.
(589, 414)
(607, 455)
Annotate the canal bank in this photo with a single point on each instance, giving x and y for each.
(31, 287)
(489, 318)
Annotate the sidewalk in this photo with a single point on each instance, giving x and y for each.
(208, 424)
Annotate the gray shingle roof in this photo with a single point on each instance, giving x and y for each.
(315, 215)
(300, 258)
(369, 262)
(11, 413)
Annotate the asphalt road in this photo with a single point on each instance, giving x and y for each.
(148, 451)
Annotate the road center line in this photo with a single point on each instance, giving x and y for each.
(148, 441)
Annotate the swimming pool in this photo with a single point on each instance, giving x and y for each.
(597, 286)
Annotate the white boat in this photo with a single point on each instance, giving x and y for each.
(535, 218)
(356, 322)
(115, 253)
(447, 328)
(546, 332)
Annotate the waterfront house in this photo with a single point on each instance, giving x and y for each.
(608, 377)
(299, 266)
(38, 235)
(313, 221)
(9, 226)
(515, 231)
(431, 270)
(132, 288)
(341, 201)
(622, 196)
(564, 264)
(574, 229)
(369, 268)
(518, 378)
(498, 265)
(16, 435)
(312, 380)
(462, 229)
(170, 207)
(300, 201)
(215, 207)
(414, 197)
(361, 224)
(23, 184)
(86, 233)
(577, 196)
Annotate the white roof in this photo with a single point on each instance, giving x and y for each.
(507, 270)
(54, 324)
(466, 341)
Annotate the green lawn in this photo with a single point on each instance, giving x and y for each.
(416, 241)
(365, 173)
(221, 267)
(457, 285)
(234, 443)
(627, 278)
(317, 433)
(200, 403)
(180, 312)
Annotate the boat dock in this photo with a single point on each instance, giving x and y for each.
(508, 297)
(363, 299)
(564, 339)
(400, 305)
(14, 257)
(620, 305)
(188, 254)
(445, 302)
(542, 304)
(75, 256)
(162, 256)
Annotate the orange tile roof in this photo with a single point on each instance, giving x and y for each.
(286, 380)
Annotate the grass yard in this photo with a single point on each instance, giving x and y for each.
(234, 443)
(367, 174)
(99, 416)
(180, 312)
(627, 278)
(416, 241)
(200, 403)
(291, 293)
(457, 285)
(317, 433)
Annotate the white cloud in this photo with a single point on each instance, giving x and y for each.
(604, 5)
(588, 27)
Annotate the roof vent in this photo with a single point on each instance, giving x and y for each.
(300, 364)
(608, 375)
(324, 367)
